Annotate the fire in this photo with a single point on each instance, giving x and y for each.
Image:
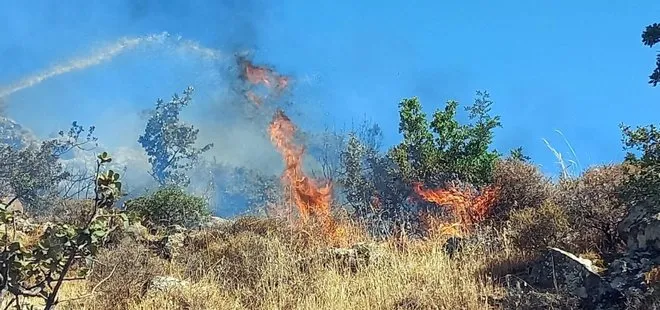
(258, 75)
(310, 198)
(466, 207)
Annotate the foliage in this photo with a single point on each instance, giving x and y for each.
(521, 185)
(644, 180)
(40, 270)
(534, 229)
(594, 208)
(650, 37)
(169, 143)
(169, 206)
(518, 154)
(445, 149)
(33, 173)
(372, 182)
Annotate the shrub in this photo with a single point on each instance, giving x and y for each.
(125, 270)
(521, 185)
(537, 228)
(594, 207)
(169, 206)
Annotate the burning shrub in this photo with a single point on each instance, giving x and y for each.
(594, 207)
(521, 184)
(537, 228)
(466, 206)
(169, 206)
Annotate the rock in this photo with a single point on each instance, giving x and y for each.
(641, 227)
(139, 232)
(215, 222)
(170, 245)
(355, 257)
(160, 284)
(627, 275)
(563, 272)
(15, 206)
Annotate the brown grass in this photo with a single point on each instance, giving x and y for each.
(262, 265)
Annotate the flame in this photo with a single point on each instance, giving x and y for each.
(466, 207)
(310, 198)
(259, 75)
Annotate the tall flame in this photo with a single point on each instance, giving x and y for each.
(310, 198)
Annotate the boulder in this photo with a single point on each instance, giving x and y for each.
(161, 284)
(170, 245)
(562, 272)
(641, 227)
(215, 222)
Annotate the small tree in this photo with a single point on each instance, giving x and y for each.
(169, 143)
(39, 270)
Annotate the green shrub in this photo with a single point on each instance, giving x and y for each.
(169, 206)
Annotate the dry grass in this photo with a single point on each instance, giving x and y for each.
(262, 265)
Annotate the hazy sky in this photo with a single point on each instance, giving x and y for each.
(575, 66)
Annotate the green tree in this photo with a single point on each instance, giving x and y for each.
(445, 149)
(169, 143)
(650, 37)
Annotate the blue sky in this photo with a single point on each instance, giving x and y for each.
(574, 66)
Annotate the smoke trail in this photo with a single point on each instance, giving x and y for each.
(106, 54)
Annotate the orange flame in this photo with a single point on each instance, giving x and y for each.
(467, 208)
(257, 75)
(310, 198)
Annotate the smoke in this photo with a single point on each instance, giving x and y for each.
(224, 106)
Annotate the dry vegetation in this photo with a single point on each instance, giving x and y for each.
(259, 267)
(267, 263)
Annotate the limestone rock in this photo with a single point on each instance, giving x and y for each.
(564, 272)
(641, 227)
(171, 244)
(215, 222)
(160, 284)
